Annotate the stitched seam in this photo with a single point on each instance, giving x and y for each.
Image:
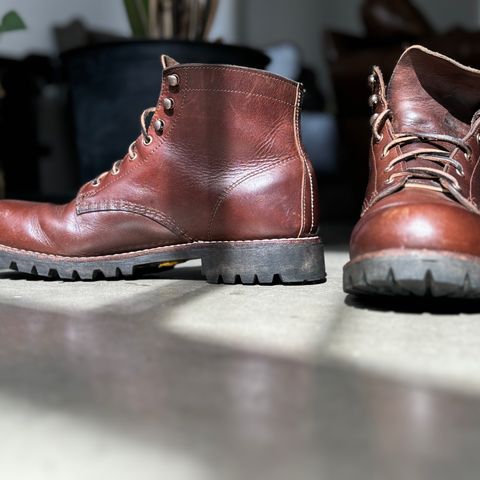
(471, 179)
(303, 161)
(125, 206)
(167, 247)
(311, 198)
(231, 187)
(241, 92)
(245, 70)
(160, 142)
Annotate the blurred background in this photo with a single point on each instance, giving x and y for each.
(76, 75)
(166, 377)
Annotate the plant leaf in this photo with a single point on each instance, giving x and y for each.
(137, 12)
(11, 21)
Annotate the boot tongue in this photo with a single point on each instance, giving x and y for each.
(429, 93)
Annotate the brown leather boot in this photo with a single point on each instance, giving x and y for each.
(419, 233)
(218, 174)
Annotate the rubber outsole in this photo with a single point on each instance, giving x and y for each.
(420, 273)
(296, 260)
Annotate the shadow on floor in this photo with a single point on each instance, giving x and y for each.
(414, 305)
(184, 273)
(192, 273)
(244, 415)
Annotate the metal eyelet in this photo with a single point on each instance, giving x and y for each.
(477, 136)
(173, 80)
(158, 126)
(373, 100)
(95, 183)
(168, 103)
(148, 140)
(372, 80)
(133, 158)
(115, 171)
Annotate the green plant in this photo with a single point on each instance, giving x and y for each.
(181, 19)
(11, 21)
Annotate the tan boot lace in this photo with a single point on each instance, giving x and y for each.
(437, 154)
(132, 151)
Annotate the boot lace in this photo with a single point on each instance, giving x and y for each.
(132, 150)
(438, 154)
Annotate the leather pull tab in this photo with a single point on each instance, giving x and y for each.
(167, 61)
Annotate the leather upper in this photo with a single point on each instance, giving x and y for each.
(404, 207)
(228, 165)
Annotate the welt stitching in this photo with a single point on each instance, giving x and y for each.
(232, 186)
(125, 206)
(166, 247)
(144, 160)
(241, 92)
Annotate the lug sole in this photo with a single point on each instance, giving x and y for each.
(420, 273)
(294, 260)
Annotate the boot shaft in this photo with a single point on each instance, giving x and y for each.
(223, 156)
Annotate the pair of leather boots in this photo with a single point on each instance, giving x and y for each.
(219, 174)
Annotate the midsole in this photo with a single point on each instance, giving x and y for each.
(184, 251)
(421, 254)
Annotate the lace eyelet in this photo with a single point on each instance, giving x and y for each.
(173, 80)
(477, 136)
(115, 171)
(158, 126)
(168, 103)
(148, 140)
(378, 138)
(373, 100)
(372, 80)
(95, 183)
(133, 158)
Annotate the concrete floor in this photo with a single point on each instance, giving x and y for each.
(165, 376)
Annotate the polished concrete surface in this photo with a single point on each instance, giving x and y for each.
(165, 376)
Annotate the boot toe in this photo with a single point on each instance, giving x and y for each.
(440, 226)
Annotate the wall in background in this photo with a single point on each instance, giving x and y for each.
(302, 21)
(107, 15)
(257, 23)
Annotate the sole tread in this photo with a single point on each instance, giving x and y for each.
(418, 274)
(255, 262)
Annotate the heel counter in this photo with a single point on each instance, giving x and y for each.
(311, 201)
(263, 205)
(309, 197)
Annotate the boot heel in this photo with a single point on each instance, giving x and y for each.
(265, 261)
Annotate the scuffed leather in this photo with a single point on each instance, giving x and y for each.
(229, 165)
(428, 93)
(417, 219)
